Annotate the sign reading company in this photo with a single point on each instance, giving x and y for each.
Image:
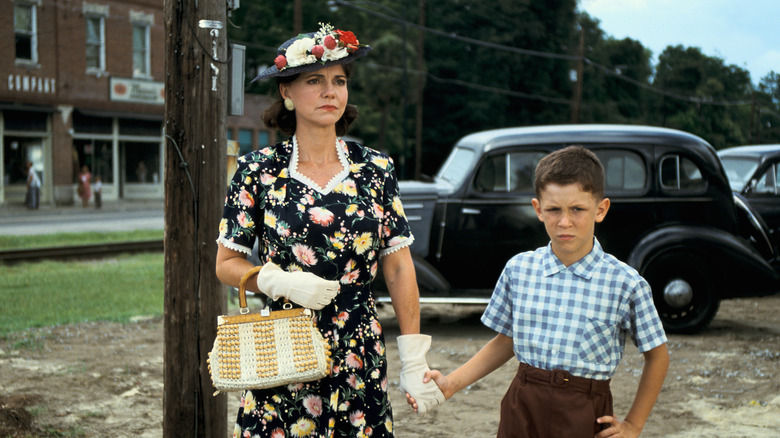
(134, 90)
(31, 84)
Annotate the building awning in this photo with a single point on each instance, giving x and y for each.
(4, 106)
(120, 115)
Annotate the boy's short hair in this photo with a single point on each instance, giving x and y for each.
(571, 165)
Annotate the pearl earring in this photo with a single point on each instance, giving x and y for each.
(288, 104)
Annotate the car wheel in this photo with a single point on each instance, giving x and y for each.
(683, 291)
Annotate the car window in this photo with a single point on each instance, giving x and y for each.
(457, 166)
(681, 174)
(767, 183)
(625, 171)
(739, 170)
(508, 172)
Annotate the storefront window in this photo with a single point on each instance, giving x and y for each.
(141, 162)
(245, 141)
(17, 152)
(96, 155)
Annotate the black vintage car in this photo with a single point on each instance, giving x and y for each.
(673, 217)
(754, 173)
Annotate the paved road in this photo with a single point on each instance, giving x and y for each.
(114, 216)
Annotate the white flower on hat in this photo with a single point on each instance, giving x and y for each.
(337, 53)
(297, 54)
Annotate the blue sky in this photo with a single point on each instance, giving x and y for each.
(741, 32)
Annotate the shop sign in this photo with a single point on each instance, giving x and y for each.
(31, 84)
(134, 90)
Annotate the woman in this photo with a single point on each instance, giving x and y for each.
(85, 186)
(327, 214)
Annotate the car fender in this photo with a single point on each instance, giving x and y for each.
(429, 279)
(740, 271)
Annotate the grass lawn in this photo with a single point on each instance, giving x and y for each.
(50, 293)
(68, 239)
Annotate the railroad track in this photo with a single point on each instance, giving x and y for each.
(92, 251)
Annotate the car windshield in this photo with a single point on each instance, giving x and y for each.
(739, 170)
(457, 166)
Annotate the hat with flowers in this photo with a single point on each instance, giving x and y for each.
(313, 51)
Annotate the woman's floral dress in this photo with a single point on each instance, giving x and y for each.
(338, 232)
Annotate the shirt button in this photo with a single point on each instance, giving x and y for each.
(555, 352)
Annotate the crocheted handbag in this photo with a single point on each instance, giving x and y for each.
(266, 349)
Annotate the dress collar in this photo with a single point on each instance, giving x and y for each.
(337, 178)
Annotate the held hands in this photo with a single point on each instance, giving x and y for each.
(426, 395)
(302, 288)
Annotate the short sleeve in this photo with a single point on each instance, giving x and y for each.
(396, 232)
(237, 229)
(498, 314)
(647, 329)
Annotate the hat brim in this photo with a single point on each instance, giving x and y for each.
(273, 72)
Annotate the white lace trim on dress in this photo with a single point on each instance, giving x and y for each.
(337, 178)
(403, 244)
(234, 246)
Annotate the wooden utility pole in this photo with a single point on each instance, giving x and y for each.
(418, 118)
(195, 168)
(577, 97)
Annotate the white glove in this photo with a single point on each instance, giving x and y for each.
(412, 349)
(303, 288)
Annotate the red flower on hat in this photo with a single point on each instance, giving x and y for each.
(329, 42)
(280, 62)
(349, 40)
(318, 51)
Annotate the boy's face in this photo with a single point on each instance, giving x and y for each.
(570, 215)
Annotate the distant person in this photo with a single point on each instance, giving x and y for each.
(32, 199)
(84, 188)
(97, 188)
(140, 171)
(564, 311)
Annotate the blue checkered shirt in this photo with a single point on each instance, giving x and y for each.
(573, 318)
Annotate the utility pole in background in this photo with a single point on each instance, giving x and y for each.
(297, 17)
(418, 118)
(577, 97)
(195, 174)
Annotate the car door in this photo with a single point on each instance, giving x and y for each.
(632, 211)
(763, 193)
(493, 221)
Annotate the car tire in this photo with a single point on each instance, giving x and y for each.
(683, 291)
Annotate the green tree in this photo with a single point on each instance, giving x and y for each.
(717, 108)
(472, 86)
(615, 79)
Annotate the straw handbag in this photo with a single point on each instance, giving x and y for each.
(266, 349)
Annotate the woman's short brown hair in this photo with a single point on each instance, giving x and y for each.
(278, 117)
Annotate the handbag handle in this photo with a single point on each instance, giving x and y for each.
(242, 288)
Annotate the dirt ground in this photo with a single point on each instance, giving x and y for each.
(105, 379)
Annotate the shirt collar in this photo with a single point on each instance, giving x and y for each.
(582, 268)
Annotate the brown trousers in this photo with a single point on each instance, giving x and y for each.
(553, 404)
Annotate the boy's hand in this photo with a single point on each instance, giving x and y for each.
(617, 428)
(441, 382)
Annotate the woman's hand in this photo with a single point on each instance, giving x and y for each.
(302, 288)
(441, 382)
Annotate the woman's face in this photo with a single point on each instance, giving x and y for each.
(320, 97)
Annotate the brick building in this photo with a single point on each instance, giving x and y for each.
(82, 84)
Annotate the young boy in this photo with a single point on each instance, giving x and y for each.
(564, 311)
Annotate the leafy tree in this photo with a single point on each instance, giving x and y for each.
(473, 87)
(717, 109)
